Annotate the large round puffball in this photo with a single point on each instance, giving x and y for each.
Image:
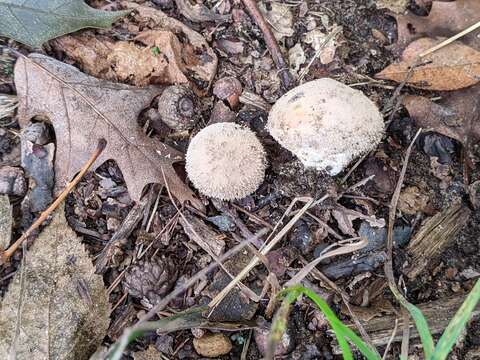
(326, 124)
(226, 161)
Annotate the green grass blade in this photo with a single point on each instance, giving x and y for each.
(420, 323)
(456, 325)
(280, 323)
(338, 326)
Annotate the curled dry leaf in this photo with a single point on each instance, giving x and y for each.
(453, 67)
(280, 18)
(455, 116)
(65, 311)
(200, 60)
(445, 19)
(158, 61)
(83, 109)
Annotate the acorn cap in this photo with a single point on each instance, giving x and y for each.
(326, 124)
(226, 161)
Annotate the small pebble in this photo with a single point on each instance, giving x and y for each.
(212, 345)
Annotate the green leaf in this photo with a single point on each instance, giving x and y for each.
(342, 332)
(456, 325)
(33, 22)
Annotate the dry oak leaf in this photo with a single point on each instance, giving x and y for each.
(453, 67)
(83, 109)
(445, 19)
(455, 115)
(200, 59)
(158, 62)
(60, 304)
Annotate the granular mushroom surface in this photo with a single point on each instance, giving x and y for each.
(226, 161)
(326, 124)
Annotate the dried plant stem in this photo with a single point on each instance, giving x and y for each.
(5, 256)
(255, 261)
(450, 40)
(270, 41)
(388, 267)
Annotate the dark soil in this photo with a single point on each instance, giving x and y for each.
(99, 205)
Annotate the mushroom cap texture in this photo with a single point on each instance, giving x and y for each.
(226, 161)
(326, 124)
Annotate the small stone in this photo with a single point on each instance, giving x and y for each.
(223, 222)
(12, 181)
(212, 345)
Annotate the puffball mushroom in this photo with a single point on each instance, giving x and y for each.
(226, 161)
(326, 124)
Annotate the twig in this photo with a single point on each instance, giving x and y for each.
(325, 42)
(270, 41)
(405, 334)
(450, 40)
(344, 248)
(124, 340)
(245, 290)
(5, 256)
(387, 348)
(388, 266)
(254, 262)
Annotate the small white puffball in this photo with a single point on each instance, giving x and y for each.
(226, 161)
(326, 124)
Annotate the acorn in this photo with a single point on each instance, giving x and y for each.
(178, 108)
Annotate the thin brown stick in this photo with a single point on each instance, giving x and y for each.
(388, 266)
(270, 41)
(405, 334)
(387, 348)
(5, 256)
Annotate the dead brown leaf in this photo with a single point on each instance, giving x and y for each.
(64, 312)
(83, 109)
(455, 115)
(445, 19)
(200, 59)
(158, 62)
(453, 67)
(413, 200)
